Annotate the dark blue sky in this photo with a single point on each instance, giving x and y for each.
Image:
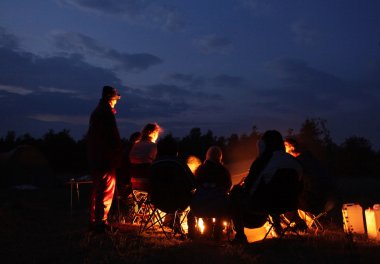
(219, 65)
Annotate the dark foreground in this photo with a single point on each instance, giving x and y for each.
(37, 227)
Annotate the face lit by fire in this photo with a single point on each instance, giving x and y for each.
(112, 102)
(154, 136)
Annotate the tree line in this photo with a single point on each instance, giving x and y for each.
(355, 157)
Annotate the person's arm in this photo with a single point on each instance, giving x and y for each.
(254, 172)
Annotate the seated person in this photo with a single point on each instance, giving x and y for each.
(213, 183)
(141, 156)
(319, 189)
(258, 193)
(172, 182)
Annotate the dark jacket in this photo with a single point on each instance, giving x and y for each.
(211, 196)
(104, 146)
(213, 175)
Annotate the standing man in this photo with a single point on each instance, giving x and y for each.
(104, 152)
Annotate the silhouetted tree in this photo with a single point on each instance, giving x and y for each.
(26, 139)
(356, 158)
(60, 149)
(314, 136)
(243, 147)
(196, 144)
(9, 142)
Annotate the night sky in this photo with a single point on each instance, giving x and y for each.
(223, 65)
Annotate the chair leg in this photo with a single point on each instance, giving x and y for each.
(276, 223)
(151, 216)
(140, 200)
(229, 230)
(315, 221)
(271, 223)
(181, 216)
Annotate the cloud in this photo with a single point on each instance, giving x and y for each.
(299, 75)
(303, 33)
(79, 43)
(213, 44)
(57, 90)
(136, 11)
(219, 84)
(30, 71)
(8, 40)
(259, 7)
(173, 92)
(188, 80)
(60, 91)
(304, 90)
(15, 90)
(48, 92)
(67, 119)
(225, 80)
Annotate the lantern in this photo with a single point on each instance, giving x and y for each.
(372, 217)
(353, 222)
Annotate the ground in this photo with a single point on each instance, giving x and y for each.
(37, 226)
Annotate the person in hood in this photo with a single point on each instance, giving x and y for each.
(251, 198)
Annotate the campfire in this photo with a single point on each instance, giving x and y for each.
(193, 162)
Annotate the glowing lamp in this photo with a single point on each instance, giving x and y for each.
(372, 217)
(353, 222)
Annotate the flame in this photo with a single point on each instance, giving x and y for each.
(193, 162)
(201, 225)
(289, 148)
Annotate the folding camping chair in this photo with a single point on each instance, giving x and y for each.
(170, 196)
(141, 185)
(141, 206)
(157, 217)
(280, 196)
(314, 220)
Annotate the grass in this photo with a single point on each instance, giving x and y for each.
(37, 227)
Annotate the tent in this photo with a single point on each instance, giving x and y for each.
(25, 165)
